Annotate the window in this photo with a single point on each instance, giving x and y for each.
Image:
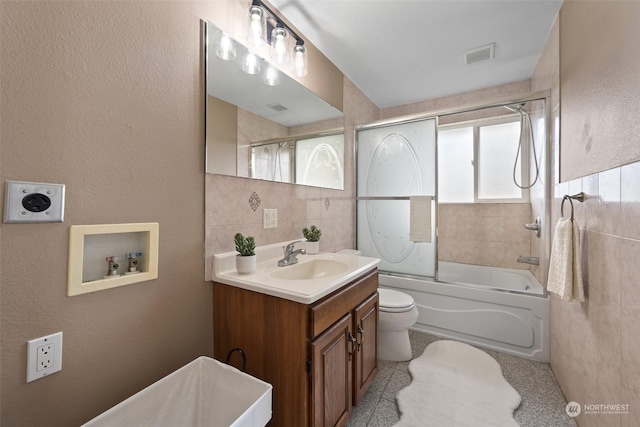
(476, 162)
(455, 165)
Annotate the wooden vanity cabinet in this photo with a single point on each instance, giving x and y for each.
(366, 332)
(320, 358)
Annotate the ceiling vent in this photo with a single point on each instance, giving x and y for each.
(480, 54)
(279, 107)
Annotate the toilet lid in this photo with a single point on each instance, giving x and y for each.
(395, 301)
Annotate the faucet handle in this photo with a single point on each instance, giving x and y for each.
(289, 248)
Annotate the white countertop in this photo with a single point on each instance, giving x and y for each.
(305, 291)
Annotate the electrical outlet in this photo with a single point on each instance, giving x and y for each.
(44, 356)
(33, 202)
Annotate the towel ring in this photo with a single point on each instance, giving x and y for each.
(579, 197)
(562, 206)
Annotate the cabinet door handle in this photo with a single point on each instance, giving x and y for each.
(361, 332)
(352, 339)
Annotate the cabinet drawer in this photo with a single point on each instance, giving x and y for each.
(330, 309)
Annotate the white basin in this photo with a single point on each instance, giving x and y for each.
(204, 392)
(311, 270)
(313, 277)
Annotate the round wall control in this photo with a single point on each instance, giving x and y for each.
(36, 202)
(33, 202)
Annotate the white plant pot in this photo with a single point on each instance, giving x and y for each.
(245, 264)
(312, 247)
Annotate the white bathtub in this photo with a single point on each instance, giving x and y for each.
(490, 277)
(514, 321)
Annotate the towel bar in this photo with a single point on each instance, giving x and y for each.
(579, 197)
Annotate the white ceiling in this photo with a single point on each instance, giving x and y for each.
(403, 51)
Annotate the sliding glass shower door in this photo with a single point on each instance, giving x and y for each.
(396, 189)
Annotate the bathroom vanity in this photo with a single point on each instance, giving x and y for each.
(320, 355)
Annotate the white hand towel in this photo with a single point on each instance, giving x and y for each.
(565, 274)
(420, 219)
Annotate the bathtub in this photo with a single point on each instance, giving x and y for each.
(507, 279)
(514, 319)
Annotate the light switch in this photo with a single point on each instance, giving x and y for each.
(270, 218)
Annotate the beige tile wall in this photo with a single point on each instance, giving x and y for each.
(490, 234)
(595, 345)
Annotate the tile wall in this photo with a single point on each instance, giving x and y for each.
(490, 234)
(595, 345)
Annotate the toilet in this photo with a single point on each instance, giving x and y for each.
(397, 313)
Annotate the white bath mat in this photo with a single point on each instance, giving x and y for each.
(455, 384)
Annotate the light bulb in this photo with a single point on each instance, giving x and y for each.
(251, 64)
(300, 60)
(257, 24)
(226, 48)
(279, 52)
(271, 76)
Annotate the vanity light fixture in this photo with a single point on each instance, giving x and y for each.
(257, 24)
(300, 59)
(266, 26)
(279, 40)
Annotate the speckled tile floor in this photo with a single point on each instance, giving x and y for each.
(542, 401)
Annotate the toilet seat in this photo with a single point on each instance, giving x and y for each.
(395, 302)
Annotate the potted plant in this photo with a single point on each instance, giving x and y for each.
(246, 259)
(312, 234)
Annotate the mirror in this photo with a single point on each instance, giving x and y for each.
(260, 123)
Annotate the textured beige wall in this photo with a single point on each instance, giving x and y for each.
(107, 98)
(600, 87)
(595, 349)
(104, 97)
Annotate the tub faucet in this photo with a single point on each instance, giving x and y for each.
(533, 260)
(535, 227)
(290, 256)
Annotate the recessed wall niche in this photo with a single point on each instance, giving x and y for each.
(106, 256)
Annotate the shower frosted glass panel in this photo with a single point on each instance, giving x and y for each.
(497, 150)
(320, 161)
(455, 147)
(394, 163)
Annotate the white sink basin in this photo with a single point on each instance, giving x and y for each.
(203, 392)
(313, 269)
(313, 277)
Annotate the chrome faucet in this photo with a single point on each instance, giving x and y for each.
(533, 260)
(290, 256)
(536, 226)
